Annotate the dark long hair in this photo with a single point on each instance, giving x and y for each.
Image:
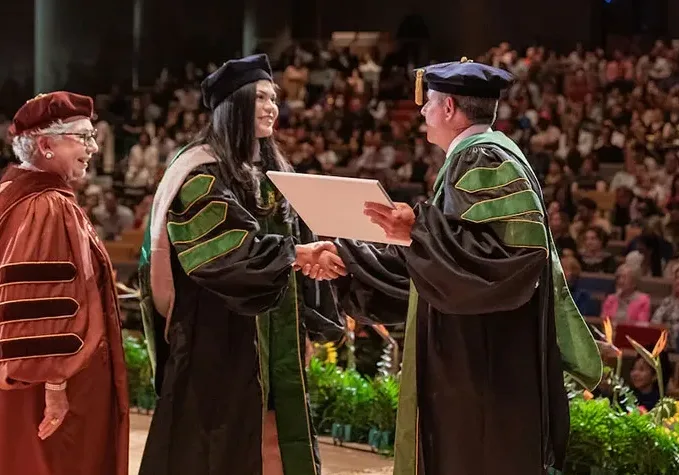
(231, 135)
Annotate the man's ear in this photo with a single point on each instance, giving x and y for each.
(450, 107)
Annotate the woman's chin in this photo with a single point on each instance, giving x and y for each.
(264, 132)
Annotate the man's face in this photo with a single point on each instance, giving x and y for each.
(436, 112)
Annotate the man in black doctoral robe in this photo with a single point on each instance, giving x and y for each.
(491, 325)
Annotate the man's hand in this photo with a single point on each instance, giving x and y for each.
(396, 223)
(56, 408)
(319, 260)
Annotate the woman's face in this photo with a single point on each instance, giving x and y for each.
(592, 242)
(266, 110)
(587, 166)
(554, 207)
(625, 280)
(554, 168)
(70, 152)
(642, 375)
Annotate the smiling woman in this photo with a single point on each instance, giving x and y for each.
(63, 148)
(225, 314)
(62, 370)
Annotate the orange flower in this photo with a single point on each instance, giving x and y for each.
(660, 344)
(608, 329)
(381, 330)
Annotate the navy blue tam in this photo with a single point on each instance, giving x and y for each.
(463, 78)
(233, 75)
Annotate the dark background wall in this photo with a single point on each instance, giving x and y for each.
(90, 41)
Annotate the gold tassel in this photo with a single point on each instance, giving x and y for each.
(419, 93)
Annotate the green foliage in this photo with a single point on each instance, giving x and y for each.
(139, 374)
(346, 397)
(623, 443)
(385, 403)
(605, 439)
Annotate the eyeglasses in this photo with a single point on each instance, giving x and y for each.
(85, 137)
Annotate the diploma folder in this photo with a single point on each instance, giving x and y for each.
(332, 206)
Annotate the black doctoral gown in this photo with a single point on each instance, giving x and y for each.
(487, 384)
(236, 339)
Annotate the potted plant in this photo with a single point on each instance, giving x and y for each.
(383, 415)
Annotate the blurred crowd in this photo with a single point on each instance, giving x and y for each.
(601, 130)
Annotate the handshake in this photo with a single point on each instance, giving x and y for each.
(319, 260)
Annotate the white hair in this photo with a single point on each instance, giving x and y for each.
(25, 145)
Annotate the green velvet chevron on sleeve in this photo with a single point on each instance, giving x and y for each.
(522, 233)
(504, 207)
(193, 190)
(207, 251)
(488, 178)
(502, 197)
(199, 225)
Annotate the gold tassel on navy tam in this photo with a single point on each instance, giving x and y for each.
(419, 87)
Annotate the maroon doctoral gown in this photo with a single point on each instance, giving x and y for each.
(59, 320)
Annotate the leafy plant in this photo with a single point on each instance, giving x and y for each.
(385, 404)
(139, 374)
(606, 439)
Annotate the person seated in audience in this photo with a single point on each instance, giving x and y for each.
(647, 188)
(593, 256)
(559, 224)
(670, 224)
(142, 163)
(627, 177)
(644, 380)
(668, 314)
(650, 251)
(582, 298)
(588, 179)
(587, 217)
(113, 217)
(627, 304)
(621, 215)
(555, 179)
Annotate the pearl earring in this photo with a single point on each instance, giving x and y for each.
(49, 155)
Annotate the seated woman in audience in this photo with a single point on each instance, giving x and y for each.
(559, 224)
(650, 251)
(644, 380)
(581, 297)
(588, 179)
(627, 304)
(668, 313)
(593, 256)
(588, 217)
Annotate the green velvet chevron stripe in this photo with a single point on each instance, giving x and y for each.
(489, 178)
(205, 252)
(522, 233)
(508, 206)
(200, 225)
(193, 190)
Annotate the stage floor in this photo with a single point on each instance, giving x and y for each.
(335, 460)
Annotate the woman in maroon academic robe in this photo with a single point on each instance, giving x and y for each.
(63, 393)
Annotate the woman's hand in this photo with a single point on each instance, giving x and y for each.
(56, 408)
(319, 260)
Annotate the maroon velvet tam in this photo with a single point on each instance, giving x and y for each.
(45, 109)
